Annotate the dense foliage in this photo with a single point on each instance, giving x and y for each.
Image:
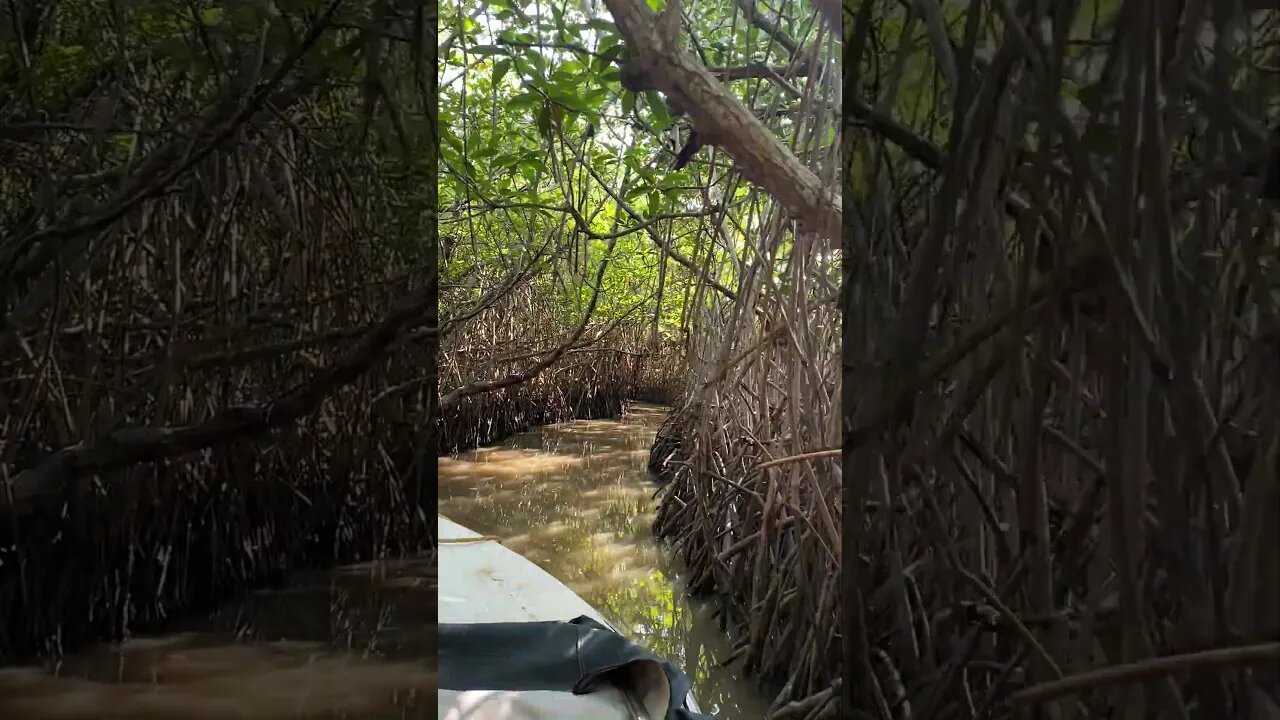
(215, 218)
(553, 170)
(1062, 354)
(641, 196)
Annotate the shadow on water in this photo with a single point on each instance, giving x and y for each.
(358, 642)
(354, 643)
(576, 499)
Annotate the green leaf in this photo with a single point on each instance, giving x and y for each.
(633, 159)
(573, 102)
(544, 121)
(658, 107)
(524, 100)
(596, 98)
(648, 176)
(602, 25)
(628, 102)
(486, 50)
(607, 58)
(500, 69)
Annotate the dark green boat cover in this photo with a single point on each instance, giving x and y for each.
(575, 656)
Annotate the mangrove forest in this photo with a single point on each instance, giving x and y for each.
(217, 258)
(640, 202)
(1062, 373)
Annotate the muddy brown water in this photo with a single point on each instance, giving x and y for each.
(576, 499)
(358, 642)
(353, 643)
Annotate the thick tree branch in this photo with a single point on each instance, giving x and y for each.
(919, 148)
(754, 71)
(723, 121)
(829, 11)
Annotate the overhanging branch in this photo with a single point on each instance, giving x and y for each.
(722, 120)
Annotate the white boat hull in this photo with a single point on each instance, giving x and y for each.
(480, 581)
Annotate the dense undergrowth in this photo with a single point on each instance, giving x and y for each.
(1063, 361)
(217, 257)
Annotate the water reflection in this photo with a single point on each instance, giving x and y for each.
(576, 499)
(356, 642)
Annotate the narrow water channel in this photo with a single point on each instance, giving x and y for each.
(576, 499)
(358, 642)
